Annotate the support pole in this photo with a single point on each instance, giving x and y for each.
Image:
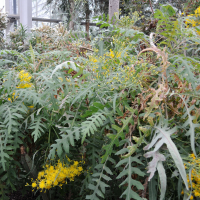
(18, 11)
(15, 10)
(25, 13)
(14, 7)
(8, 11)
(113, 10)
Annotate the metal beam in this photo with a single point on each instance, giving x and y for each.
(46, 20)
(14, 17)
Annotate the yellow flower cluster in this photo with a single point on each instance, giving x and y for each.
(195, 175)
(194, 19)
(116, 69)
(115, 73)
(13, 97)
(25, 79)
(57, 175)
(111, 54)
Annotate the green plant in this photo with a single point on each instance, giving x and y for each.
(124, 106)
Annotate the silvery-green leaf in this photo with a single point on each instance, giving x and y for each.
(153, 164)
(163, 179)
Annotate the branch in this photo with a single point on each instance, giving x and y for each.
(151, 6)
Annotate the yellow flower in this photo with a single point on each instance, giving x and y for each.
(40, 175)
(196, 193)
(34, 184)
(118, 55)
(25, 79)
(111, 53)
(13, 97)
(194, 22)
(182, 192)
(57, 175)
(193, 156)
(42, 184)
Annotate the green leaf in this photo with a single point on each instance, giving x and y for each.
(152, 189)
(98, 186)
(29, 166)
(84, 92)
(128, 171)
(65, 141)
(163, 179)
(170, 10)
(189, 122)
(162, 135)
(115, 138)
(38, 128)
(91, 124)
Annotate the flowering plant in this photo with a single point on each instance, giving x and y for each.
(125, 103)
(194, 20)
(56, 175)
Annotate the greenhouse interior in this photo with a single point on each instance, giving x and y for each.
(99, 99)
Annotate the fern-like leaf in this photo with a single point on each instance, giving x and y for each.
(29, 96)
(189, 122)
(83, 92)
(4, 149)
(38, 128)
(10, 116)
(185, 69)
(128, 171)
(91, 124)
(66, 140)
(98, 186)
(115, 137)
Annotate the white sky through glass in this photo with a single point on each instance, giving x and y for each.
(2, 4)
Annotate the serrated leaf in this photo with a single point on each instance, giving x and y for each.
(108, 170)
(162, 136)
(84, 92)
(115, 138)
(91, 124)
(128, 171)
(152, 166)
(189, 122)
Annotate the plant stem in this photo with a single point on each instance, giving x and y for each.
(151, 6)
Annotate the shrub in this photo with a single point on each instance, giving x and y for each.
(125, 107)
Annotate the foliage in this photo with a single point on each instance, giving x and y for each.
(194, 22)
(3, 25)
(192, 165)
(125, 106)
